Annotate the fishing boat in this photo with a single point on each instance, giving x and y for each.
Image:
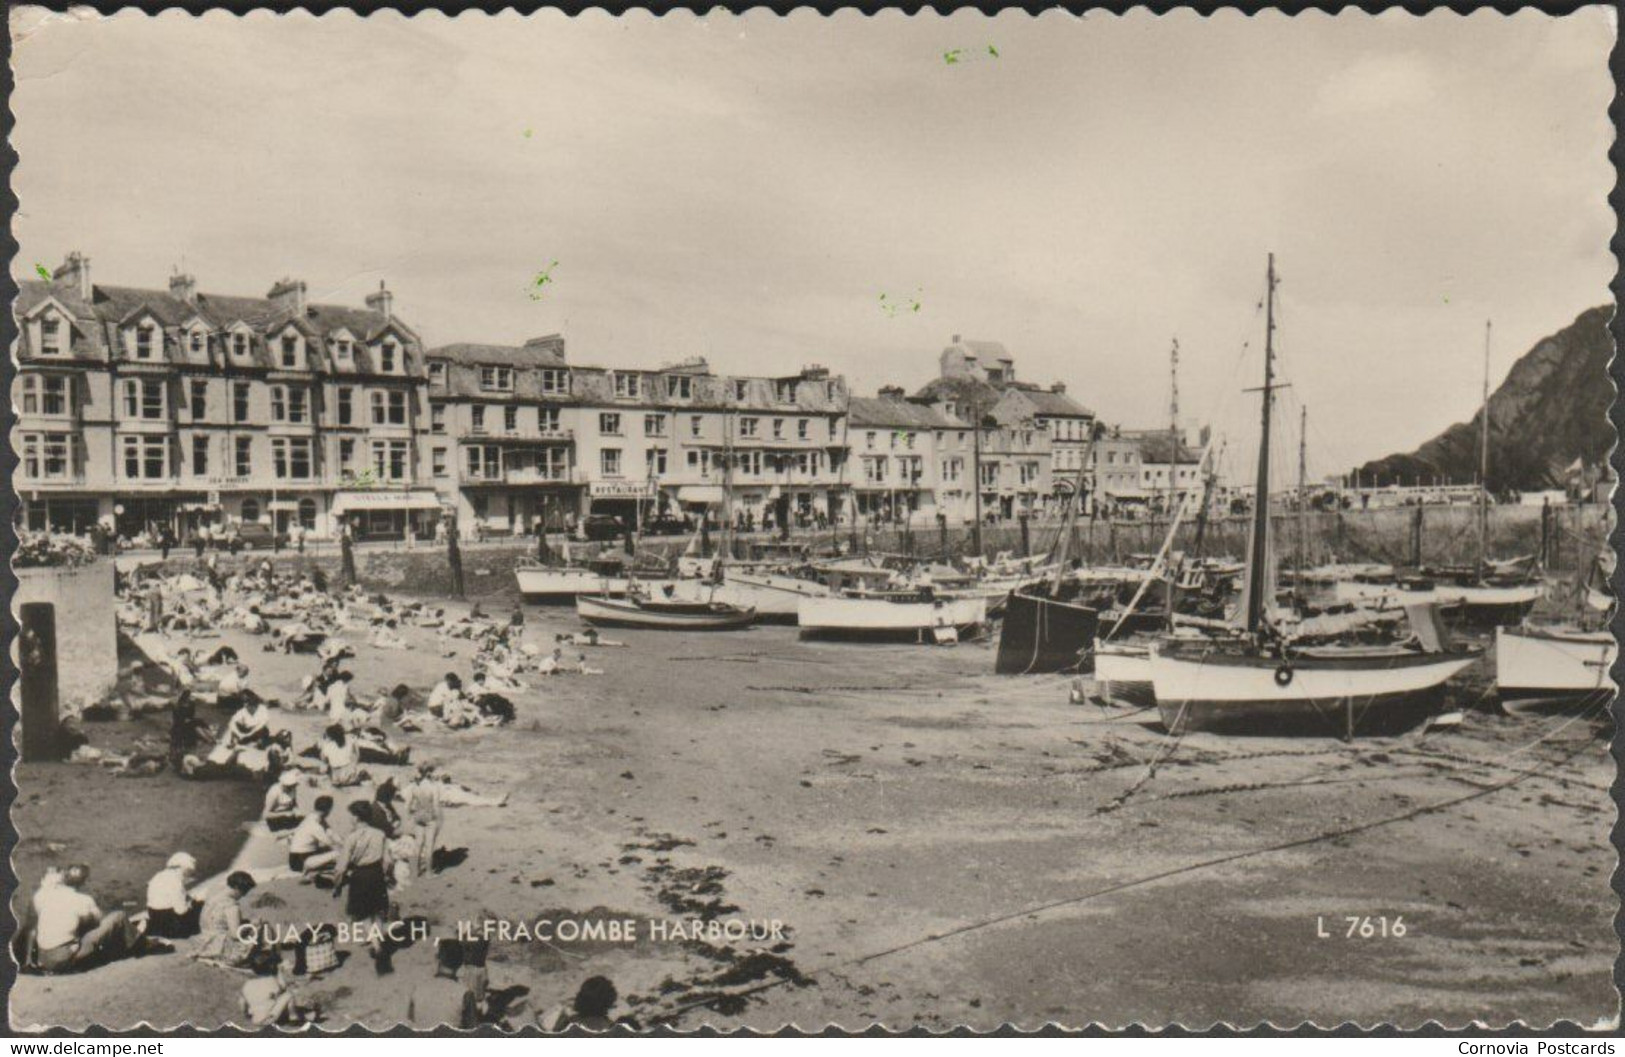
(562, 584)
(663, 615)
(1266, 683)
(1550, 669)
(917, 616)
(776, 597)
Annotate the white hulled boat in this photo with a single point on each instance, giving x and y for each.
(1123, 674)
(909, 615)
(776, 597)
(1545, 669)
(564, 583)
(1266, 684)
(664, 615)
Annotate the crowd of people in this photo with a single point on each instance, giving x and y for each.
(391, 832)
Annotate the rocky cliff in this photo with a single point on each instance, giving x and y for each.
(1551, 411)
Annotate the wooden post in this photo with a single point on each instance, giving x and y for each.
(454, 557)
(1416, 535)
(1026, 536)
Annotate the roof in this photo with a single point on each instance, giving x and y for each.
(1154, 447)
(883, 411)
(98, 323)
(468, 352)
(985, 350)
(1052, 404)
(959, 390)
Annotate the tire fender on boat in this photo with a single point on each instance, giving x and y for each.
(1283, 675)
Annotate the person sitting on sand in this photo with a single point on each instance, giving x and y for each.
(186, 731)
(310, 848)
(590, 637)
(172, 912)
(72, 932)
(583, 668)
(269, 1000)
(590, 1011)
(445, 690)
(338, 752)
(282, 803)
(442, 1000)
(385, 637)
(338, 699)
(553, 664)
(220, 924)
(232, 685)
(250, 726)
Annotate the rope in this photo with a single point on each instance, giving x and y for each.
(1160, 875)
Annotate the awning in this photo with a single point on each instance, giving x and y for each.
(344, 502)
(280, 505)
(699, 493)
(187, 508)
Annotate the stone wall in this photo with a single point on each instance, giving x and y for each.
(86, 627)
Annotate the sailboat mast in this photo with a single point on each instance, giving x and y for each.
(1173, 423)
(1303, 501)
(1484, 459)
(1258, 560)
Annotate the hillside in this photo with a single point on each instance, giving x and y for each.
(1551, 410)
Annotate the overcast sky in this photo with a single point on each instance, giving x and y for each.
(748, 188)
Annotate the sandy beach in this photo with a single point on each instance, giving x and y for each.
(939, 847)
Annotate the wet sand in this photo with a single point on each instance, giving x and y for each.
(874, 797)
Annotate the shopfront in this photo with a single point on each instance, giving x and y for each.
(381, 515)
(630, 501)
(60, 513)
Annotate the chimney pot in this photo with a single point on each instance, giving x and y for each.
(956, 340)
(1058, 387)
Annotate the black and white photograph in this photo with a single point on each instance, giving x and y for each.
(602, 523)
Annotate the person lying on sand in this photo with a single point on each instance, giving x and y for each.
(590, 637)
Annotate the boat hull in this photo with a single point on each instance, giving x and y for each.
(1483, 604)
(1123, 674)
(1042, 634)
(1540, 670)
(776, 599)
(880, 619)
(1342, 692)
(617, 613)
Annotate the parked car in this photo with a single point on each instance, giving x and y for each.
(665, 525)
(601, 527)
(257, 536)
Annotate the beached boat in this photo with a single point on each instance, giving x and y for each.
(1123, 674)
(776, 597)
(1482, 602)
(562, 584)
(1267, 684)
(1045, 633)
(908, 615)
(662, 615)
(1548, 669)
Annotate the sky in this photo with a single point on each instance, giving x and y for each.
(746, 188)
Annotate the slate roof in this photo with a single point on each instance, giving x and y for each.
(864, 411)
(1056, 405)
(98, 333)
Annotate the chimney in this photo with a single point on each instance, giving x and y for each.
(955, 341)
(75, 271)
(554, 343)
(890, 392)
(289, 295)
(183, 287)
(383, 302)
(1058, 388)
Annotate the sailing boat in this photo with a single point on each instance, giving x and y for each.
(1263, 682)
(669, 610)
(1560, 666)
(1049, 627)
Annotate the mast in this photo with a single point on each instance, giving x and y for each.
(1063, 541)
(1258, 559)
(1484, 459)
(726, 550)
(1303, 498)
(1210, 480)
(976, 472)
(1173, 423)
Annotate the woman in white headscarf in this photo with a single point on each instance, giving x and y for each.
(172, 912)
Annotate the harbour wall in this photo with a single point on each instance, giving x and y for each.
(1572, 535)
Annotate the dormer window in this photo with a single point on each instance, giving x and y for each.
(289, 352)
(681, 387)
(388, 354)
(740, 389)
(784, 392)
(626, 385)
(343, 350)
(496, 379)
(147, 341)
(196, 343)
(437, 374)
(52, 336)
(239, 346)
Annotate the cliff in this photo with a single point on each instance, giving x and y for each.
(1551, 411)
